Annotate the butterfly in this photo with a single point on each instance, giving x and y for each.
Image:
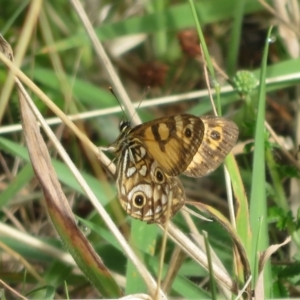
(152, 155)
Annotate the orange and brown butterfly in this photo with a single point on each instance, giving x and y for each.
(153, 154)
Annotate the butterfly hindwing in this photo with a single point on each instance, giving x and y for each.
(144, 188)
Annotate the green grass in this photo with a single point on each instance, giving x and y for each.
(60, 59)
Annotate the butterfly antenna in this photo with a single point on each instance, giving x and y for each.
(123, 111)
(145, 93)
(142, 99)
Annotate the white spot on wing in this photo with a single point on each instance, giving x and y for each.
(143, 151)
(143, 170)
(158, 209)
(125, 161)
(149, 213)
(164, 199)
(123, 192)
(130, 171)
(167, 189)
(145, 188)
(131, 156)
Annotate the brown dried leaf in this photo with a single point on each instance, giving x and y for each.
(259, 288)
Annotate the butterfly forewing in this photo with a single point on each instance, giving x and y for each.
(172, 141)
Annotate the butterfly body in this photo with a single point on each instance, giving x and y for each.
(152, 154)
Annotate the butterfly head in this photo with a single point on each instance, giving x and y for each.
(124, 126)
(122, 140)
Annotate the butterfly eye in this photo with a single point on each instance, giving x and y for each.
(159, 176)
(124, 125)
(139, 199)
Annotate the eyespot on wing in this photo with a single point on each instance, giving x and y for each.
(220, 136)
